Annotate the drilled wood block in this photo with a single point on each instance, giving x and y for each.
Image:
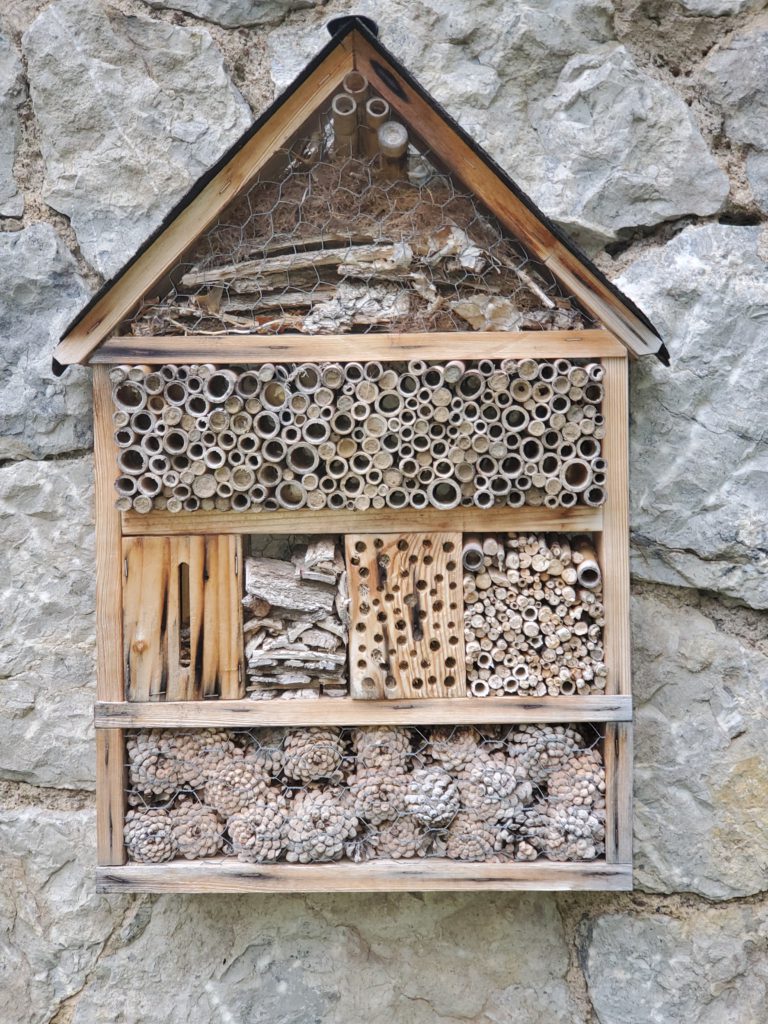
(407, 614)
(182, 626)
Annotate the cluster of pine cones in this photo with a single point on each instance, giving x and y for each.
(321, 794)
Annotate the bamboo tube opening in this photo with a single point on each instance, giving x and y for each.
(129, 396)
(126, 485)
(132, 461)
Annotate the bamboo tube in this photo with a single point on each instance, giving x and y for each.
(129, 396)
(290, 494)
(393, 147)
(376, 113)
(344, 115)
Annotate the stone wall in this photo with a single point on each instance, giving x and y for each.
(642, 126)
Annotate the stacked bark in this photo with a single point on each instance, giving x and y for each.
(533, 616)
(358, 436)
(296, 623)
(322, 794)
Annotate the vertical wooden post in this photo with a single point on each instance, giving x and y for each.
(614, 555)
(110, 743)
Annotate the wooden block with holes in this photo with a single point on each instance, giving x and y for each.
(182, 626)
(407, 613)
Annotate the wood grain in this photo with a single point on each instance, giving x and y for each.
(219, 875)
(201, 211)
(407, 611)
(344, 711)
(617, 756)
(458, 156)
(288, 348)
(159, 665)
(430, 520)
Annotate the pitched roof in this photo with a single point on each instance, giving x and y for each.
(354, 44)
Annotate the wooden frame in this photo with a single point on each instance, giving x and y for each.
(113, 714)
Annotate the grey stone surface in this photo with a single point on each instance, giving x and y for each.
(340, 960)
(717, 8)
(235, 13)
(52, 925)
(698, 438)
(709, 968)
(12, 95)
(47, 639)
(132, 111)
(701, 754)
(40, 291)
(735, 78)
(587, 133)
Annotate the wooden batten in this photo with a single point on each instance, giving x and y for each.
(287, 348)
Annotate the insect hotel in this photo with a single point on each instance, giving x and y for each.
(361, 512)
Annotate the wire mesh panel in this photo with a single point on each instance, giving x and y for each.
(311, 795)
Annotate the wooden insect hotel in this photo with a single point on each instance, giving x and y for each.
(361, 513)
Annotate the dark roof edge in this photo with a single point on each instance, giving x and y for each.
(359, 24)
(562, 236)
(211, 173)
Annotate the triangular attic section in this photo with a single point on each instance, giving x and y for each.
(335, 236)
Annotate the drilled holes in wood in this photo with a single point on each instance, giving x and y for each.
(406, 609)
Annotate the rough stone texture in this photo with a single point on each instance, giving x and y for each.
(132, 111)
(287, 959)
(46, 592)
(735, 78)
(591, 136)
(709, 968)
(40, 291)
(53, 926)
(701, 754)
(699, 459)
(235, 13)
(12, 94)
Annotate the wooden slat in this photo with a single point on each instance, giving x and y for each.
(613, 544)
(110, 760)
(479, 178)
(344, 711)
(407, 608)
(219, 875)
(618, 787)
(161, 256)
(288, 348)
(466, 520)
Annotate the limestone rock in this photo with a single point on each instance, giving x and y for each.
(132, 111)
(56, 925)
(701, 767)
(709, 967)
(735, 77)
(47, 643)
(12, 95)
(698, 453)
(258, 958)
(235, 13)
(546, 89)
(40, 291)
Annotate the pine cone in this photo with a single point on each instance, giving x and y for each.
(433, 796)
(470, 839)
(385, 747)
(579, 783)
(493, 788)
(319, 824)
(234, 784)
(199, 750)
(565, 833)
(453, 747)
(259, 833)
(401, 838)
(163, 761)
(148, 836)
(264, 748)
(312, 754)
(361, 847)
(540, 749)
(377, 796)
(197, 830)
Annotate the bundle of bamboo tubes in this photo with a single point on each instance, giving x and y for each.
(533, 615)
(359, 435)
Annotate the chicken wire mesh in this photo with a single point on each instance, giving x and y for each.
(319, 794)
(324, 242)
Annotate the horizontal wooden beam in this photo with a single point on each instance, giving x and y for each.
(289, 348)
(344, 711)
(230, 875)
(431, 520)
